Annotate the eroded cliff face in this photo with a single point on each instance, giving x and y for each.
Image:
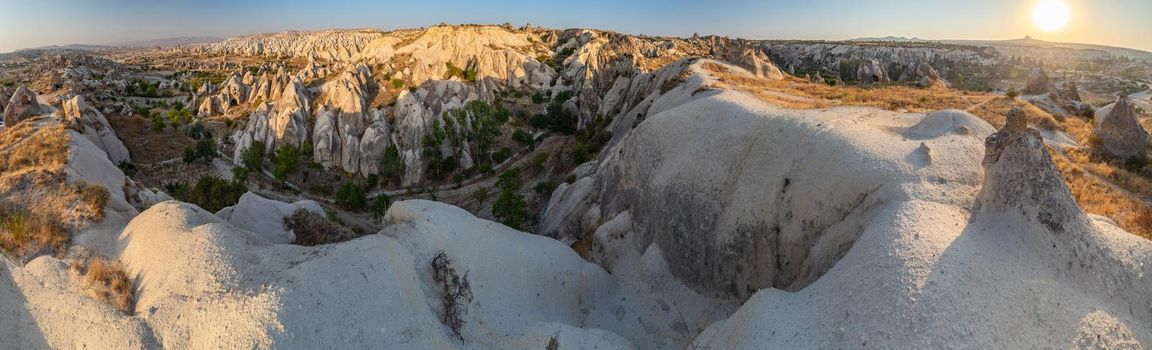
(362, 92)
(915, 64)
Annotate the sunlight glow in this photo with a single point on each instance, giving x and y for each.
(1051, 15)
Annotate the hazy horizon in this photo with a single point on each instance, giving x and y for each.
(41, 23)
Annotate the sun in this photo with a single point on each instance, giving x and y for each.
(1051, 15)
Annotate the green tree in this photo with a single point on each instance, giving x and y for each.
(287, 161)
(209, 192)
(253, 157)
(380, 205)
(392, 166)
(157, 123)
(351, 196)
(510, 209)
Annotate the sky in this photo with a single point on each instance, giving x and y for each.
(34, 23)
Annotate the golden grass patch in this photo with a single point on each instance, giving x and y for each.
(106, 281)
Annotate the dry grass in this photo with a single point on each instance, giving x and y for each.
(94, 198)
(23, 233)
(1133, 215)
(38, 205)
(1101, 186)
(311, 229)
(147, 146)
(106, 281)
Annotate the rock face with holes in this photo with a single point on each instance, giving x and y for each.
(872, 72)
(22, 105)
(1119, 132)
(922, 74)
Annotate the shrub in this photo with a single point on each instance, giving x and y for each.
(524, 138)
(157, 123)
(456, 292)
(538, 98)
(501, 155)
(253, 157)
(351, 196)
(545, 188)
(392, 166)
(95, 197)
(1012, 93)
(313, 229)
(107, 282)
(209, 192)
(380, 205)
(287, 161)
(579, 153)
(205, 150)
(25, 234)
(510, 208)
(480, 195)
(199, 131)
(240, 173)
(397, 83)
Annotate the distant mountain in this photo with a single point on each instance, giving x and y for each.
(169, 42)
(80, 47)
(1023, 43)
(888, 38)
(1036, 43)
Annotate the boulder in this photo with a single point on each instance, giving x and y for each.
(1119, 131)
(22, 105)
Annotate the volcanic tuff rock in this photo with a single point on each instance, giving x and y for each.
(922, 74)
(22, 105)
(871, 72)
(694, 205)
(1038, 83)
(1119, 131)
(92, 124)
(945, 275)
(348, 124)
(827, 57)
(5, 95)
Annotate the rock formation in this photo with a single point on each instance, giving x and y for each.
(1038, 83)
(1019, 177)
(1070, 91)
(1119, 131)
(94, 125)
(490, 59)
(922, 74)
(872, 72)
(22, 105)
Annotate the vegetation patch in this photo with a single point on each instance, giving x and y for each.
(313, 229)
(106, 281)
(456, 293)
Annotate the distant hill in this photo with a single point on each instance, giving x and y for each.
(1026, 42)
(888, 38)
(169, 42)
(1036, 43)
